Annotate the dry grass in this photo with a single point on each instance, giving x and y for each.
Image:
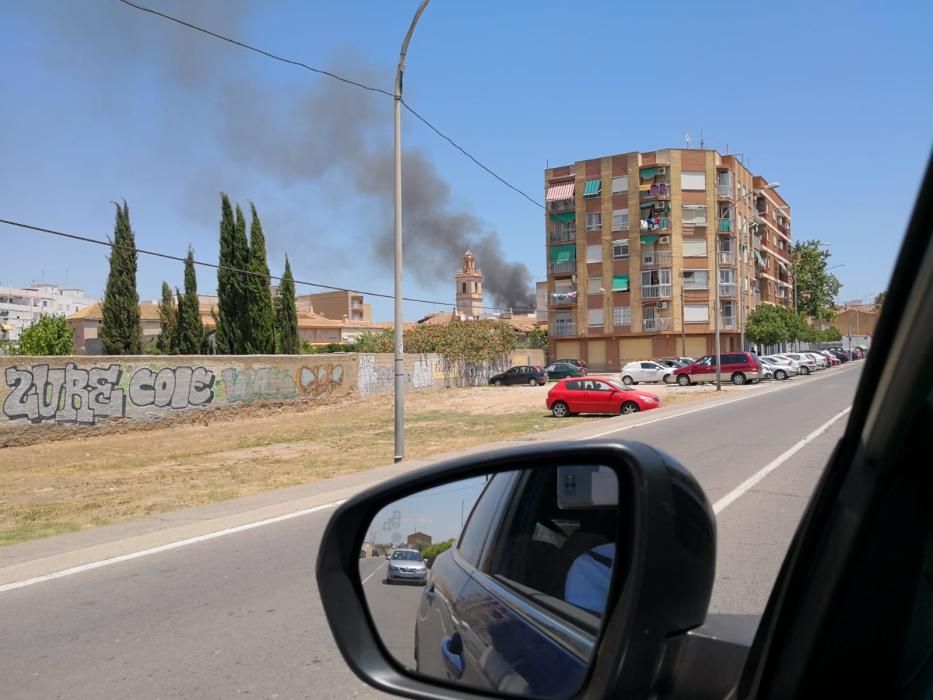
(53, 487)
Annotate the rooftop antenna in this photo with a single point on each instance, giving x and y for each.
(687, 138)
(701, 139)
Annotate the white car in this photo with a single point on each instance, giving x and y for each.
(646, 371)
(789, 367)
(773, 370)
(820, 359)
(807, 363)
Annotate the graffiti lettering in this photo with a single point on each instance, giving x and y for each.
(68, 395)
(265, 383)
(320, 380)
(172, 387)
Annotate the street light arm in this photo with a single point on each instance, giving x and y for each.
(400, 70)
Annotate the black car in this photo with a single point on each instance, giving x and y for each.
(520, 374)
(579, 363)
(673, 364)
(562, 370)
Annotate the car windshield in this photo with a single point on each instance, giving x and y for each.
(406, 556)
(254, 263)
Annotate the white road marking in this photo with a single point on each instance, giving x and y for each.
(749, 483)
(703, 408)
(90, 566)
(374, 572)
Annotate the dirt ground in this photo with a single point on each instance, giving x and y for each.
(64, 485)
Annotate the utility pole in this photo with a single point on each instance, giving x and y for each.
(399, 323)
(716, 315)
(683, 326)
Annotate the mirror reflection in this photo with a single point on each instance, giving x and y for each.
(496, 582)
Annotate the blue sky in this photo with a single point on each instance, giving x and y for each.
(99, 101)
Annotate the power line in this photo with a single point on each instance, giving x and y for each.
(168, 256)
(348, 81)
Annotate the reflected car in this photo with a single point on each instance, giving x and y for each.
(406, 565)
(562, 370)
(597, 395)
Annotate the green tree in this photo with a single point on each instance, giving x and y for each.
(286, 317)
(375, 342)
(119, 330)
(260, 315)
(431, 551)
(231, 280)
(816, 288)
(50, 335)
(767, 325)
(190, 326)
(167, 341)
(796, 325)
(879, 299)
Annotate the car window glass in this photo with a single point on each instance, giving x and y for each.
(601, 386)
(647, 365)
(481, 517)
(573, 386)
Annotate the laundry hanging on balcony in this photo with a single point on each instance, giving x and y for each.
(563, 297)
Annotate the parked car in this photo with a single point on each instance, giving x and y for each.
(772, 370)
(807, 363)
(646, 371)
(406, 565)
(737, 367)
(520, 374)
(562, 370)
(682, 360)
(789, 367)
(833, 360)
(839, 353)
(597, 395)
(673, 364)
(579, 363)
(821, 361)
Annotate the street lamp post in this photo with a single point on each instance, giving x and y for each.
(399, 337)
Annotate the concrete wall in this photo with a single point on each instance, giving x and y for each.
(82, 392)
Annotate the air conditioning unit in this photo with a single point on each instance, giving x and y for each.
(662, 305)
(648, 260)
(662, 171)
(664, 239)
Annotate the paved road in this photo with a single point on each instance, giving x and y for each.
(240, 615)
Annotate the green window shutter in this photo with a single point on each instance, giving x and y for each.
(620, 283)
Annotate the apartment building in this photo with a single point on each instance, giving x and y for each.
(338, 305)
(636, 241)
(20, 307)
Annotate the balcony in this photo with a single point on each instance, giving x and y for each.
(564, 267)
(657, 223)
(727, 322)
(726, 257)
(656, 291)
(657, 324)
(563, 299)
(658, 257)
(564, 329)
(659, 190)
(727, 290)
(563, 235)
(725, 225)
(724, 191)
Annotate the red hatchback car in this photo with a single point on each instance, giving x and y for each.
(597, 395)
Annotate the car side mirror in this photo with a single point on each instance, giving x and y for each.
(580, 571)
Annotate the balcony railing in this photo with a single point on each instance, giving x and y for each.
(727, 321)
(655, 291)
(567, 267)
(657, 324)
(725, 224)
(726, 257)
(562, 236)
(657, 223)
(727, 290)
(564, 329)
(658, 257)
(563, 298)
(660, 190)
(724, 191)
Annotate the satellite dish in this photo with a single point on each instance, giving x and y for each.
(687, 138)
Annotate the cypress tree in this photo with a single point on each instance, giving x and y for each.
(240, 262)
(287, 314)
(190, 327)
(119, 331)
(228, 327)
(259, 311)
(168, 322)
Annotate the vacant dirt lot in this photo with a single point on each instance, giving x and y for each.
(52, 487)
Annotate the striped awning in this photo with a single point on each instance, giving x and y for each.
(592, 187)
(560, 190)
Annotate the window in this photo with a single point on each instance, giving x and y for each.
(463, 288)
(696, 313)
(696, 279)
(594, 253)
(481, 517)
(693, 180)
(695, 248)
(621, 316)
(619, 184)
(594, 317)
(694, 215)
(574, 386)
(726, 276)
(620, 249)
(594, 285)
(594, 221)
(619, 219)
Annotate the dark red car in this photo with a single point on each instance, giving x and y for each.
(737, 367)
(597, 395)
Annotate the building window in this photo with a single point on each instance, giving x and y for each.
(696, 279)
(463, 288)
(726, 275)
(594, 253)
(695, 248)
(696, 313)
(693, 180)
(594, 317)
(594, 285)
(594, 221)
(621, 316)
(620, 184)
(620, 219)
(694, 215)
(620, 249)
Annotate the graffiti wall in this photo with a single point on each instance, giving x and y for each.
(88, 391)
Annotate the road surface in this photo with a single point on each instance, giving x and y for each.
(237, 613)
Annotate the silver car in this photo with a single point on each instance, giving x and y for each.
(406, 565)
(782, 367)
